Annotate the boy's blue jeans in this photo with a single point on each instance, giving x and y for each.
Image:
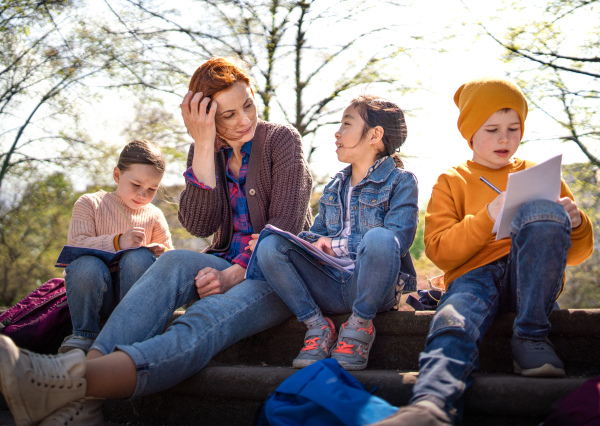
(309, 287)
(527, 281)
(93, 291)
(208, 326)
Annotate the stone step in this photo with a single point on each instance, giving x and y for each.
(224, 394)
(401, 337)
(232, 388)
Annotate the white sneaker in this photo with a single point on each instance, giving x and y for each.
(75, 342)
(36, 385)
(83, 412)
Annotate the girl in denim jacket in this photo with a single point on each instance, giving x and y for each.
(368, 213)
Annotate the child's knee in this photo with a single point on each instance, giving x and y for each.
(541, 210)
(268, 249)
(380, 239)
(460, 313)
(86, 267)
(446, 317)
(137, 259)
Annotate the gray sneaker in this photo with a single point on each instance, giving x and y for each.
(422, 413)
(353, 347)
(536, 358)
(318, 343)
(83, 412)
(75, 342)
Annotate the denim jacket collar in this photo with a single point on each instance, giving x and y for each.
(378, 172)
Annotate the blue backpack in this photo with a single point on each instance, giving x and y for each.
(323, 394)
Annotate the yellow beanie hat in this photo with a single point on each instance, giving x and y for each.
(478, 99)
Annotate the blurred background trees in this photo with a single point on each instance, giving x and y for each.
(66, 65)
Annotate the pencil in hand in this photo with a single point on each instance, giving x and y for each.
(124, 215)
(131, 224)
(490, 184)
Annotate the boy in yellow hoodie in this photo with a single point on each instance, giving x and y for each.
(522, 274)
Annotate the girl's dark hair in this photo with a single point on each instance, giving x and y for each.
(379, 112)
(141, 152)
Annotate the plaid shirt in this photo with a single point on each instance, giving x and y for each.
(242, 228)
(339, 245)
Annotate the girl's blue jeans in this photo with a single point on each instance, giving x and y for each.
(208, 326)
(308, 287)
(527, 281)
(93, 291)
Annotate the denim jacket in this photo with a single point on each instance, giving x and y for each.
(387, 197)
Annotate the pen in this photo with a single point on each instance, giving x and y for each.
(490, 184)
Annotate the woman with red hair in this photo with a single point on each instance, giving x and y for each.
(243, 173)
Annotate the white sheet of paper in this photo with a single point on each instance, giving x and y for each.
(540, 182)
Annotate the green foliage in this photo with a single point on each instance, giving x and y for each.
(418, 247)
(582, 283)
(33, 229)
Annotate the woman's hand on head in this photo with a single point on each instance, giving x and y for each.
(572, 210)
(132, 238)
(495, 206)
(212, 281)
(324, 244)
(199, 118)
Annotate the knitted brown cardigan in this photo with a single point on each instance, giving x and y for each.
(278, 187)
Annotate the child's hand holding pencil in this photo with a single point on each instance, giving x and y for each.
(132, 238)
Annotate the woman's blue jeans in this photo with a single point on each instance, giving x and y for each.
(309, 287)
(527, 281)
(208, 326)
(93, 291)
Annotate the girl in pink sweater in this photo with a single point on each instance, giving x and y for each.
(114, 221)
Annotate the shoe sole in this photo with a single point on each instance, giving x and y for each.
(546, 370)
(8, 360)
(303, 363)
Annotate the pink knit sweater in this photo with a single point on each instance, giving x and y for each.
(97, 220)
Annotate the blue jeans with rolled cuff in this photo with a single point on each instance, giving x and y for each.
(208, 325)
(526, 281)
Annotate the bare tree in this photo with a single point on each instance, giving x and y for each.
(559, 58)
(300, 74)
(54, 60)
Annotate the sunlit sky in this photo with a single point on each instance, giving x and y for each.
(434, 143)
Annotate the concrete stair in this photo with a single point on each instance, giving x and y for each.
(231, 389)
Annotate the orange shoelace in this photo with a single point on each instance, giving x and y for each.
(346, 348)
(311, 344)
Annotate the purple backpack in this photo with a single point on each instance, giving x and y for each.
(41, 320)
